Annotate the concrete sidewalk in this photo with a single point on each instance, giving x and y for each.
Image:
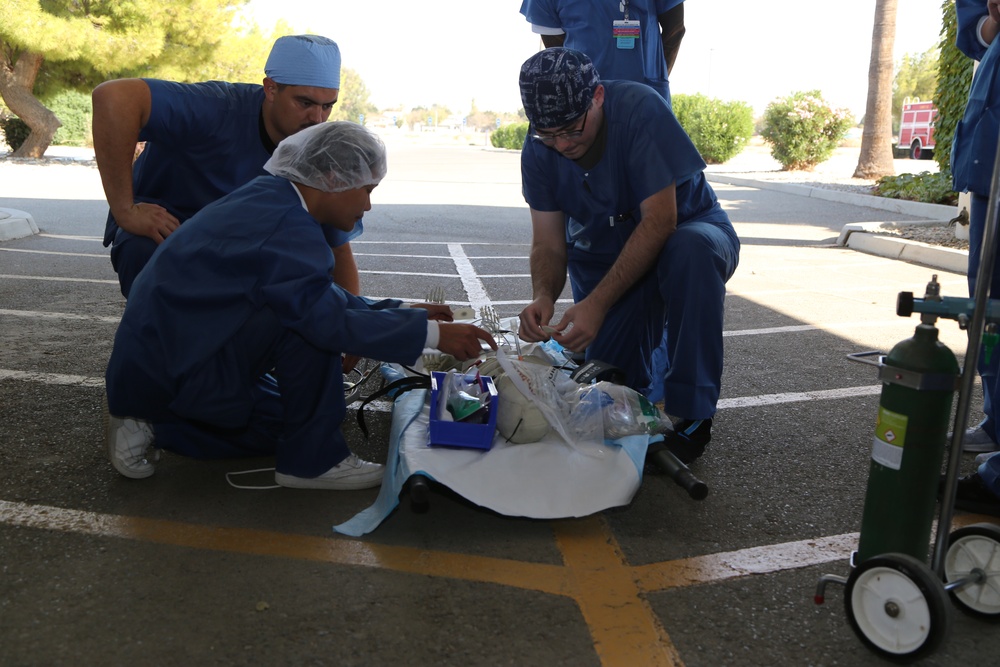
(865, 236)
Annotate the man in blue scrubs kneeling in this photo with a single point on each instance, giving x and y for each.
(619, 199)
(242, 292)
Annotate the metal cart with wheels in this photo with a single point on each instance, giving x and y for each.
(895, 602)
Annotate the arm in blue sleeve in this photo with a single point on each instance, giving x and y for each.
(295, 283)
(541, 12)
(969, 14)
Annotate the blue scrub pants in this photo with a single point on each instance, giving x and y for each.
(129, 254)
(989, 373)
(681, 301)
(232, 408)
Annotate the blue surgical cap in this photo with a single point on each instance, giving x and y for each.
(557, 86)
(304, 60)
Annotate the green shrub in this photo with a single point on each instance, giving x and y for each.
(719, 130)
(803, 130)
(15, 131)
(73, 109)
(510, 136)
(923, 187)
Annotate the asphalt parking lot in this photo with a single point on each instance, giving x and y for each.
(183, 569)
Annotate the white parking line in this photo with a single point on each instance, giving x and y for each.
(53, 252)
(58, 316)
(470, 280)
(70, 237)
(54, 379)
(53, 279)
(726, 403)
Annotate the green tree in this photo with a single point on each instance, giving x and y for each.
(353, 98)
(483, 121)
(954, 81)
(48, 45)
(419, 115)
(916, 77)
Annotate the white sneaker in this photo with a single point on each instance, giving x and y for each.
(977, 440)
(350, 474)
(129, 440)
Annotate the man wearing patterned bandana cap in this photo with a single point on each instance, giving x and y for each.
(202, 141)
(618, 197)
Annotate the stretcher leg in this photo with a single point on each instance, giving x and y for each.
(418, 487)
(663, 458)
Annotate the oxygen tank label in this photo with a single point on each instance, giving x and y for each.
(890, 434)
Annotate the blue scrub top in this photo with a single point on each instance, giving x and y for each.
(974, 149)
(255, 248)
(646, 150)
(203, 140)
(588, 28)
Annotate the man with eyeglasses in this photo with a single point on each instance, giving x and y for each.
(618, 198)
(202, 141)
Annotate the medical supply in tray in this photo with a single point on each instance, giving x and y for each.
(463, 410)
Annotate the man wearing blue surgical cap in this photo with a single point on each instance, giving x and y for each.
(618, 198)
(202, 141)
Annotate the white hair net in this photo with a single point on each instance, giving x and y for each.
(331, 157)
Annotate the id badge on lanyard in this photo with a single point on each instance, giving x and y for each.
(625, 32)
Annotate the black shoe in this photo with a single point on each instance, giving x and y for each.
(688, 439)
(973, 496)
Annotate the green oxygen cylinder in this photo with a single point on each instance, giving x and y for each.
(919, 378)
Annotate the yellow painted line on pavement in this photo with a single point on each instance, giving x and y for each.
(595, 574)
(540, 577)
(623, 626)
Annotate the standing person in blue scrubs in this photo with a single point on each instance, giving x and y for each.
(618, 197)
(972, 158)
(244, 289)
(634, 40)
(202, 141)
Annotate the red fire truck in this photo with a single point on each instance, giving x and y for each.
(916, 128)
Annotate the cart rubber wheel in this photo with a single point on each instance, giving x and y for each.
(897, 606)
(970, 548)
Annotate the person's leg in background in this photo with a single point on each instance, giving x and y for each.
(983, 436)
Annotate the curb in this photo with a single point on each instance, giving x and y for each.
(16, 224)
(936, 257)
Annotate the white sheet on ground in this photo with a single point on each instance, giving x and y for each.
(543, 480)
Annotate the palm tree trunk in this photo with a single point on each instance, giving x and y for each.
(875, 160)
(17, 80)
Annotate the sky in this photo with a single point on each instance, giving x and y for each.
(414, 53)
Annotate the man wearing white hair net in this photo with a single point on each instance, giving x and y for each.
(243, 289)
(204, 140)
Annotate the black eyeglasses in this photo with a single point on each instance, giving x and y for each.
(572, 135)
